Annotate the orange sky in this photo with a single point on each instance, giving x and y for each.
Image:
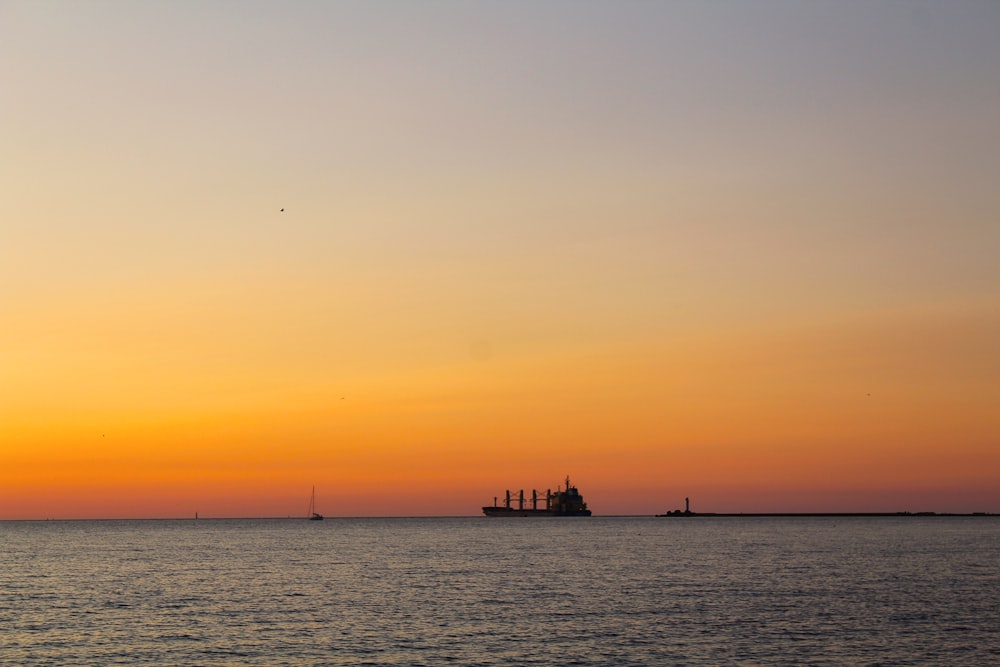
(673, 251)
(874, 417)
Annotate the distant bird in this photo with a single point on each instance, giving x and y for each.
(282, 210)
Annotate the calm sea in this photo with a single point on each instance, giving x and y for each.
(480, 591)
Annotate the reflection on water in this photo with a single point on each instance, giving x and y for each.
(479, 591)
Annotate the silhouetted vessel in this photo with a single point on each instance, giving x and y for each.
(560, 503)
(313, 514)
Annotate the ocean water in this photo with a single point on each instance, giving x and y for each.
(481, 591)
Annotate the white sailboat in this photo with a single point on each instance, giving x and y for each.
(313, 514)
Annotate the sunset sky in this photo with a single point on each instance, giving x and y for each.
(742, 252)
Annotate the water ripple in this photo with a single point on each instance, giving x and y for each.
(603, 591)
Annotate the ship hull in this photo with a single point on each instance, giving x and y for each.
(511, 512)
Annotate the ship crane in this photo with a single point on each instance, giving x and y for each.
(520, 499)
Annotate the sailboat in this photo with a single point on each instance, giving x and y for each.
(313, 514)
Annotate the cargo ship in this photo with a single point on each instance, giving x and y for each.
(567, 502)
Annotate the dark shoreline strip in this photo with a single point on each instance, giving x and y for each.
(683, 515)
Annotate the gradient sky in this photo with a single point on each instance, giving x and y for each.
(745, 252)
